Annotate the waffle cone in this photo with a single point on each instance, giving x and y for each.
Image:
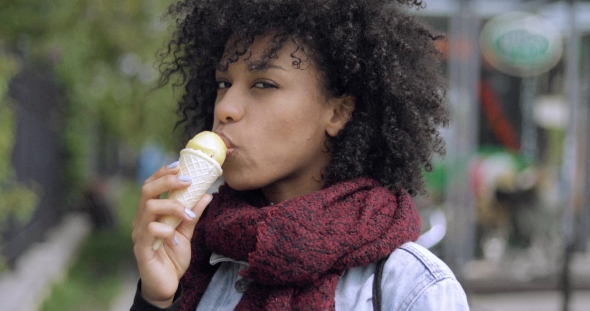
(203, 171)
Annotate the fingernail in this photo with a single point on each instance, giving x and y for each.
(175, 241)
(173, 165)
(184, 178)
(209, 199)
(190, 213)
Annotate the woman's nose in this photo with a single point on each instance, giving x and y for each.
(230, 107)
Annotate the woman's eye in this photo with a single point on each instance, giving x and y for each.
(264, 85)
(223, 85)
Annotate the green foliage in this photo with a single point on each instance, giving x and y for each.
(103, 53)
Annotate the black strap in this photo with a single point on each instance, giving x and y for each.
(377, 284)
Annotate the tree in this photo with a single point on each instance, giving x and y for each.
(103, 54)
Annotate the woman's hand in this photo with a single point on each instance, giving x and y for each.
(161, 270)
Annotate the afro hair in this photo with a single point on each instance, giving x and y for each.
(372, 50)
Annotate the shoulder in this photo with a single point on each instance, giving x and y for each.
(413, 259)
(416, 279)
(413, 279)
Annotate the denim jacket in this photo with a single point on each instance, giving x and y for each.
(413, 279)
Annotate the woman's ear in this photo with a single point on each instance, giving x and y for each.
(342, 108)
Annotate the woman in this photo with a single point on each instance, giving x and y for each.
(330, 111)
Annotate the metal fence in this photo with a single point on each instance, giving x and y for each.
(38, 158)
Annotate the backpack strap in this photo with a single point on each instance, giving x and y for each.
(377, 284)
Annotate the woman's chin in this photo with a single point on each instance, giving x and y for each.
(241, 184)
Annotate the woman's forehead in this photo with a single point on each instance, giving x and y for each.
(263, 51)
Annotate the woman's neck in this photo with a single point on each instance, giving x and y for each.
(284, 190)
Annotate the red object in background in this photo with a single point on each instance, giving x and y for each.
(492, 109)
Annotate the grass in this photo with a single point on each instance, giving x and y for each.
(95, 278)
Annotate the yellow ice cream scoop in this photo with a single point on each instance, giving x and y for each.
(201, 160)
(210, 144)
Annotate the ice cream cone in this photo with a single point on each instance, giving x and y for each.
(203, 171)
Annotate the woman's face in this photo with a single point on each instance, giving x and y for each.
(275, 119)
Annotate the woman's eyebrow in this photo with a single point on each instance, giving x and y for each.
(256, 67)
(264, 67)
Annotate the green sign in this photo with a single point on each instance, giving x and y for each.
(521, 44)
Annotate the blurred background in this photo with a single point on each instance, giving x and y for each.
(82, 124)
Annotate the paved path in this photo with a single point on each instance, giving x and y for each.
(25, 288)
(125, 299)
(528, 301)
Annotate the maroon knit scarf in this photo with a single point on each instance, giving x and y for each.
(298, 249)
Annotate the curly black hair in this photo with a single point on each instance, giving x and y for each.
(369, 49)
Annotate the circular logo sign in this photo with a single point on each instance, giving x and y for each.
(520, 44)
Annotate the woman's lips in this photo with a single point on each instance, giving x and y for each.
(228, 144)
(229, 152)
